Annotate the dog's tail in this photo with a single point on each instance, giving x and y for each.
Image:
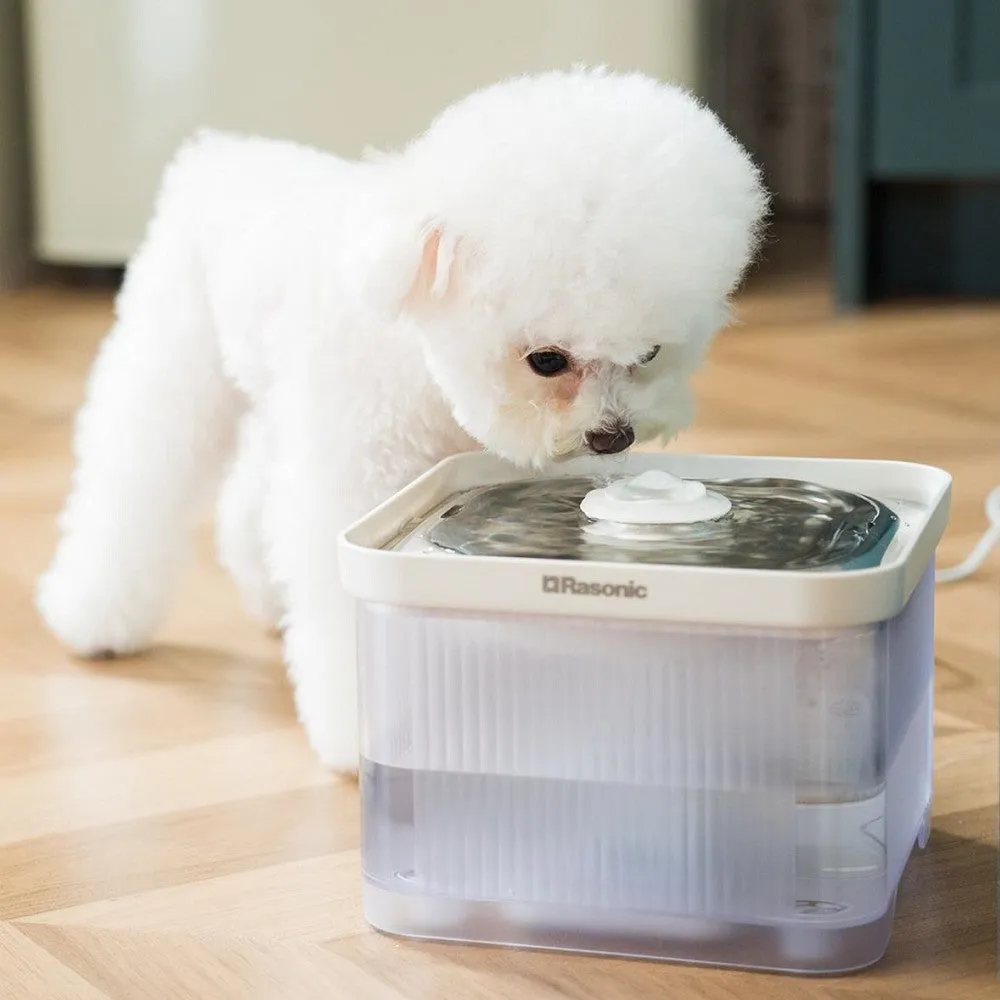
(157, 422)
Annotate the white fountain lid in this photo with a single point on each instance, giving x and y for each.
(416, 577)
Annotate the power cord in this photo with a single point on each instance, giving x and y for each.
(983, 548)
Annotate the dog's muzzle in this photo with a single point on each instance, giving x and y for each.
(611, 442)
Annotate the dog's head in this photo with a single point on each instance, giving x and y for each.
(565, 247)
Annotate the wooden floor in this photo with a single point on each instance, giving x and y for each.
(164, 831)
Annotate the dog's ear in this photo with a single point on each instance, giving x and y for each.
(411, 270)
(437, 260)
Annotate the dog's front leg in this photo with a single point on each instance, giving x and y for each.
(314, 492)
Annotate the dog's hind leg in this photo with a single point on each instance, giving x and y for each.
(156, 425)
(240, 523)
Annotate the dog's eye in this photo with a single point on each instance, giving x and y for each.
(548, 363)
(649, 355)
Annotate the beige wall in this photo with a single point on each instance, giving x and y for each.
(15, 210)
(119, 83)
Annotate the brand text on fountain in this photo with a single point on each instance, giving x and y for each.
(587, 588)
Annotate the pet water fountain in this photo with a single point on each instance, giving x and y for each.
(674, 707)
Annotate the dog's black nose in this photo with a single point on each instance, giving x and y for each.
(612, 441)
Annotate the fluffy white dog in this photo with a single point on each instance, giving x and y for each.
(538, 274)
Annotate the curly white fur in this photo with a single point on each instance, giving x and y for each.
(326, 330)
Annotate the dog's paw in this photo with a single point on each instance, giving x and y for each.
(335, 746)
(260, 601)
(91, 623)
(340, 760)
(351, 777)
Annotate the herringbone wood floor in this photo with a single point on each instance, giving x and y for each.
(164, 832)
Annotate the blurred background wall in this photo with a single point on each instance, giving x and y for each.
(112, 87)
(877, 118)
(117, 84)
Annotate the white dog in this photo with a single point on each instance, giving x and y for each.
(538, 274)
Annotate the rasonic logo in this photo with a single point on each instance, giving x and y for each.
(571, 585)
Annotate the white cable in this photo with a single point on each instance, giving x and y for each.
(983, 548)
